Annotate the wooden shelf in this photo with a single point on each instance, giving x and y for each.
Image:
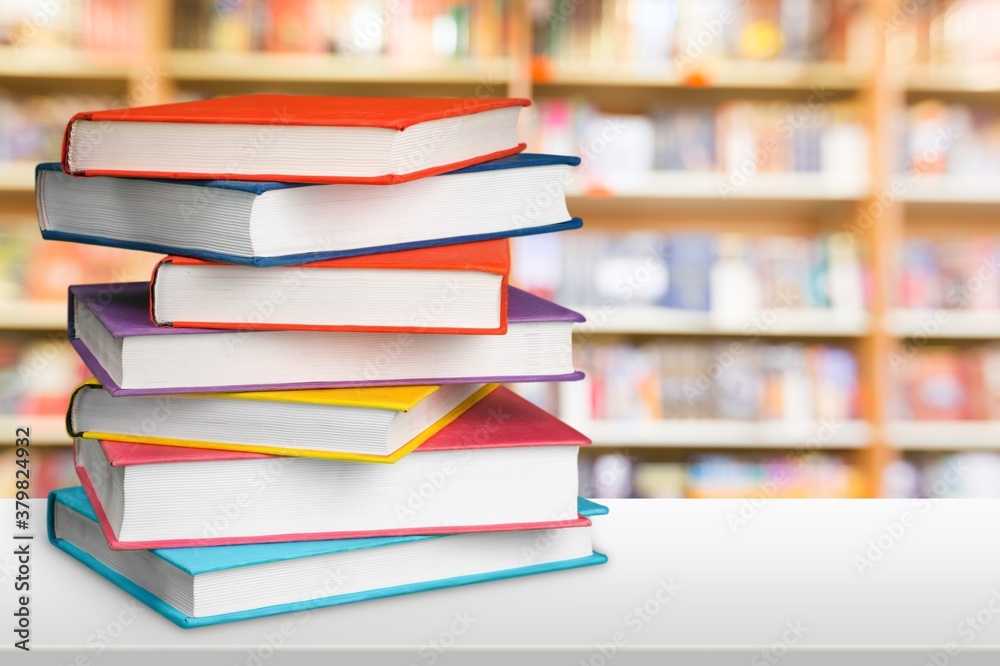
(726, 433)
(18, 176)
(944, 324)
(263, 66)
(319, 68)
(944, 435)
(711, 186)
(45, 430)
(962, 79)
(32, 315)
(652, 320)
(27, 63)
(722, 74)
(952, 190)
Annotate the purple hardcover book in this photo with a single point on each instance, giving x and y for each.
(111, 330)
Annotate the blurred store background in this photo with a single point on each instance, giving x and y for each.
(790, 252)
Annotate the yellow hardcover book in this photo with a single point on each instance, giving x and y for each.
(377, 424)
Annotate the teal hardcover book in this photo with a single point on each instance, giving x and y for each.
(196, 587)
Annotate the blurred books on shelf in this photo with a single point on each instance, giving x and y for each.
(947, 384)
(737, 140)
(101, 27)
(36, 376)
(970, 475)
(32, 126)
(407, 32)
(951, 140)
(679, 107)
(644, 34)
(732, 276)
(798, 474)
(780, 476)
(33, 270)
(954, 272)
(789, 382)
(947, 32)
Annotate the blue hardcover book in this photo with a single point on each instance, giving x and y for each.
(279, 224)
(195, 587)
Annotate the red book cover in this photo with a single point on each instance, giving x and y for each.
(492, 256)
(294, 26)
(939, 386)
(394, 113)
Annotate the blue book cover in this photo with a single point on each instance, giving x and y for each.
(257, 188)
(195, 561)
(689, 260)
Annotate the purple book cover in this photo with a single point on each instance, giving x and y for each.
(123, 308)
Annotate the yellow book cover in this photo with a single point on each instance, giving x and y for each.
(394, 398)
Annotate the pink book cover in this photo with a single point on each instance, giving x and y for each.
(524, 424)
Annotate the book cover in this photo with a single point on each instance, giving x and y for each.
(517, 161)
(258, 187)
(123, 309)
(269, 110)
(395, 398)
(524, 425)
(194, 561)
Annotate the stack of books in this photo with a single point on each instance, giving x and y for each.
(308, 389)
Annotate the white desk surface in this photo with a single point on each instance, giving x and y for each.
(935, 589)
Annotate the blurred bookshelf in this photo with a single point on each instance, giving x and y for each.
(744, 147)
(206, 65)
(944, 324)
(945, 435)
(59, 64)
(656, 187)
(653, 320)
(967, 190)
(966, 78)
(722, 433)
(720, 74)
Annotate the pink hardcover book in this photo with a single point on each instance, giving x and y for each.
(503, 465)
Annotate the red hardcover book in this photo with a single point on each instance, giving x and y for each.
(504, 464)
(293, 138)
(445, 289)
